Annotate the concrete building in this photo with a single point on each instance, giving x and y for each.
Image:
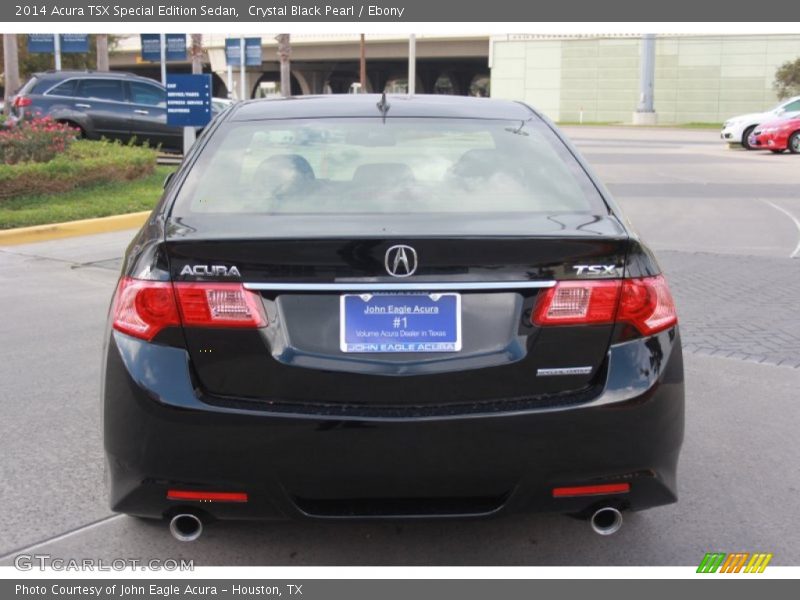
(698, 79)
(594, 78)
(451, 64)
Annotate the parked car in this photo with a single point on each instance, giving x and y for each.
(358, 306)
(778, 135)
(737, 130)
(113, 105)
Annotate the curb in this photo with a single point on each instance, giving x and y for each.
(54, 231)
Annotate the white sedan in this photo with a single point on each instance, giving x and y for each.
(738, 129)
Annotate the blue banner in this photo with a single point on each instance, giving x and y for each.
(151, 46)
(41, 43)
(176, 46)
(74, 43)
(188, 100)
(252, 52)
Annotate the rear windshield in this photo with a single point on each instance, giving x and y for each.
(400, 166)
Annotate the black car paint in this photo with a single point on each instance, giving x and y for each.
(329, 441)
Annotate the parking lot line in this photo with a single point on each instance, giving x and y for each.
(796, 251)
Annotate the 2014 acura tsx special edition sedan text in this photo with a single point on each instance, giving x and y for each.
(381, 307)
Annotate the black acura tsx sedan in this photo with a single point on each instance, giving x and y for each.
(389, 307)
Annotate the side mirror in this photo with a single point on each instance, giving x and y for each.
(167, 179)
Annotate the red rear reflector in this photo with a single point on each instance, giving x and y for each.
(22, 101)
(206, 496)
(591, 490)
(578, 302)
(143, 308)
(645, 303)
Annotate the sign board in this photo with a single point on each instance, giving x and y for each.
(188, 100)
(71, 43)
(74, 43)
(41, 43)
(151, 46)
(252, 52)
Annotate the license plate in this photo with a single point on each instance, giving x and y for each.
(400, 322)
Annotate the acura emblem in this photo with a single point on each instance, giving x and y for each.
(401, 261)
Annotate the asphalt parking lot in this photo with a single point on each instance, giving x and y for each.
(725, 225)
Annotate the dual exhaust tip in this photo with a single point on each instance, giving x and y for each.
(187, 527)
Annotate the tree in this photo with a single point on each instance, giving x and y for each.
(31, 63)
(787, 79)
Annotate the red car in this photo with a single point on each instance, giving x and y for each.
(778, 136)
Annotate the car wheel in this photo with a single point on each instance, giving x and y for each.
(794, 143)
(746, 135)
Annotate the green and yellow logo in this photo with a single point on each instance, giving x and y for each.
(738, 562)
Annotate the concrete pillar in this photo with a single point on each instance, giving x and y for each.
(11, 68)
(101, 42)
(645, 111)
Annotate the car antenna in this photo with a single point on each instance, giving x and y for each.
(383, 106)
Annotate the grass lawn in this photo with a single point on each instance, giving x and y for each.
(100, 200)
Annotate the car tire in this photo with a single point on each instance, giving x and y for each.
(794, 143)
(745, 143)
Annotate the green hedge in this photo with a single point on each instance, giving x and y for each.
(84, 163)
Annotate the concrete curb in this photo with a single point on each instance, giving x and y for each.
(54, 231)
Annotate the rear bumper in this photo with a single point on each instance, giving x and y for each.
(160, 434)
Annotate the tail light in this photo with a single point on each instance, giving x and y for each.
(22, 101)
(143, 308)
(645, 303)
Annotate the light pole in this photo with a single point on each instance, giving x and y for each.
(645, 111)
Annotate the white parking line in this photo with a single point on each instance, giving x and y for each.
(61, 536)
(796, 252)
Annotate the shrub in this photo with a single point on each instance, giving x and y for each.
(83, 163)
(34, 140)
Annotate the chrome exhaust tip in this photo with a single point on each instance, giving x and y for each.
(606, 521)
(186, 527)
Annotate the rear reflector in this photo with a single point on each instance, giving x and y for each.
(591, 490)
(206, 496)
(143, 308)
(645, 303)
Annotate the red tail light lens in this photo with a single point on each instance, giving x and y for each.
(143, 308)
(578, 302)
(22, 101)
(645, 303)
(219, 305)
